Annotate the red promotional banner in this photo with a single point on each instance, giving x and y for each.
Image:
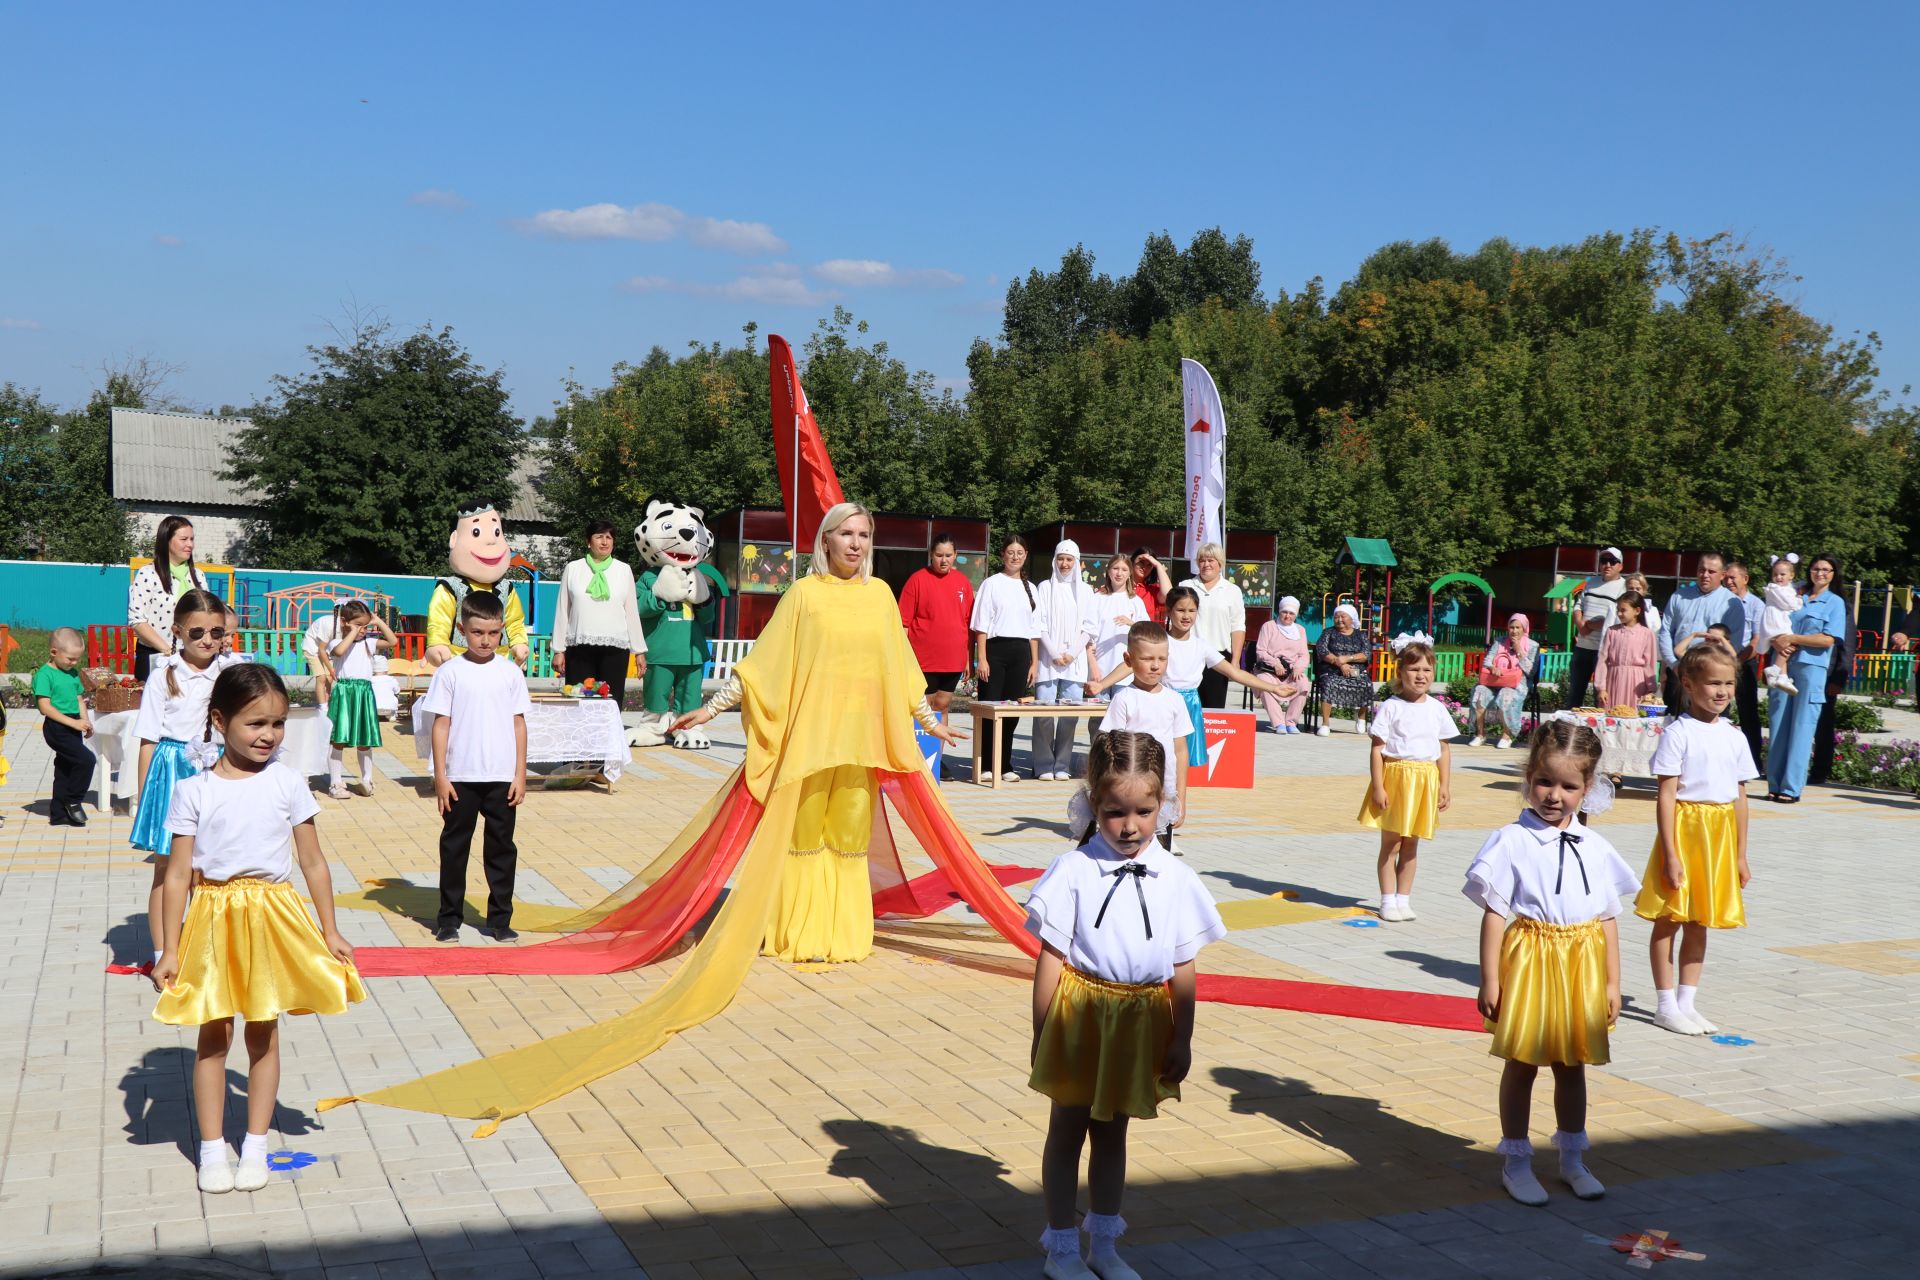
(807, 481)
(1229, 750)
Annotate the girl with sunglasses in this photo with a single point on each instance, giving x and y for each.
(173, 711)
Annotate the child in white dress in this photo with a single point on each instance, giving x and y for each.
(1550, 888)
(1776, 619)
(1119, 922)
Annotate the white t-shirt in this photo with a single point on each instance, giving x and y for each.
(1067, 900)
(1189, 659)
(182, 718)
(1001, 610)
(481, 699)
(1597, 600)
(242, 826)
(1162, 713)
(1517, 869)
(1711, 759)
(1112, 618)
(320, 633)
(1223, 611)
(357, 662)
(1412, 730)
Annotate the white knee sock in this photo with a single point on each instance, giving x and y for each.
(214, 1152)
(333, 767)
(1061, 1242)
(1104, 1229)
(366, 766)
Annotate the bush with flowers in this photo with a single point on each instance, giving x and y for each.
(1889, 766)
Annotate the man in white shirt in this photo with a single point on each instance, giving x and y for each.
(1222, 624)
(1597, 600)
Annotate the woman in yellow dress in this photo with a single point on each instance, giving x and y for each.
(827, 692)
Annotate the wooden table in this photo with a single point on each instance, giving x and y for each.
(992, 714)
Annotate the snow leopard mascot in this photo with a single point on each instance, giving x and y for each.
(680, 595)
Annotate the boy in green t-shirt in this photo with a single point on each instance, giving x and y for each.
(56, 691)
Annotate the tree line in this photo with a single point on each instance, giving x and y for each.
(1640, 389)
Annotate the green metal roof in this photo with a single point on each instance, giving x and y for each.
(1373, 552)
(1565, 588)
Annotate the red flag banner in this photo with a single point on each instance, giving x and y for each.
(807, 481)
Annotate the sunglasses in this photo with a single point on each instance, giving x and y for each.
(195, 633)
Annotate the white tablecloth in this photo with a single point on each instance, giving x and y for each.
(1626, 746)
(117, 756)
(582, 731)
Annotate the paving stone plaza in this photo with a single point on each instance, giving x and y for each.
(874, 1120)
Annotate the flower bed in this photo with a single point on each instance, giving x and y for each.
(1889, 766)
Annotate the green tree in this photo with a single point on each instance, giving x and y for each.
(361, 461)
(27, 435)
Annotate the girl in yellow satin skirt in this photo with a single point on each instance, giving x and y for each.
(1120, 921)
(1550, 888)
(247, 946)
(1698, 865)
(1410, 774)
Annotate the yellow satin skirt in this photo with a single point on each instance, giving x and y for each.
(1103, 1045)
(1553, 994)
(1413, 799)
(824, 910)
(249, 947)
(1708, 840)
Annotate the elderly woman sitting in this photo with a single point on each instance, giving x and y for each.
(1504, 676)
(1281, 650)
(1342, 657)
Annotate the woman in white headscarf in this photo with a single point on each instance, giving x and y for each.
(1281, 648)
(1064, 610)
(1343, 655)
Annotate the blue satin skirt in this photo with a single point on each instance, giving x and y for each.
(1197, 740)
(170, 764)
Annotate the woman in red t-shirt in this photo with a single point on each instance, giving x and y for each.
(935, 606)
(1151, 582)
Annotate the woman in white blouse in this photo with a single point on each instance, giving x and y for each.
(1006, 638)
(596, 625)
(156, 586)
(1223, 618)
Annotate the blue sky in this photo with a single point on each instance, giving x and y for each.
(568, 185)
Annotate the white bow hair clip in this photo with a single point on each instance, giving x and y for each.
(1406, 638)
(1790, 558)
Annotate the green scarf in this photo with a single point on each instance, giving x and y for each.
(182, 579)
(597, 588)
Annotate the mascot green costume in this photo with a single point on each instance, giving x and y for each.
(680, 596)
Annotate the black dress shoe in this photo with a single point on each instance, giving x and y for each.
(76, 816)
(503, 933)
(57, 817)
(446, 932)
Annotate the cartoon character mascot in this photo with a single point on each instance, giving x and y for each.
(477, 550)
(680, 596)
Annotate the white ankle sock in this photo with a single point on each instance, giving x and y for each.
(1572, 1148)
(157, 955)
(333, 767)
(1104, 1230)
(254, 1145)
(1683, 997)
(1666, 1001)
(1061, 1242)
(214, 1152)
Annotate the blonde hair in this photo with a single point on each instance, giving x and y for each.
(1415, 651)
(1206, 549)
(67, 640)
(1119, 754)
(837, 515)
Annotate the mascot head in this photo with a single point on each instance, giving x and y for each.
(672, 534)
(477, 547)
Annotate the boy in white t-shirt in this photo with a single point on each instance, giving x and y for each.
(479, 708)
(1149, 706)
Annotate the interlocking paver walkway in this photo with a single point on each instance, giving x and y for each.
(873, 1120)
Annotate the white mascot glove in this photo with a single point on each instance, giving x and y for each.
(674, 585)
(702, 590)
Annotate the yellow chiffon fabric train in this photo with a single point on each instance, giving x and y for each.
(830, 685)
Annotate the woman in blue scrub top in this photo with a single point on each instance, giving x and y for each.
(1818, 625)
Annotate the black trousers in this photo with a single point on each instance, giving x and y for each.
(1746, 701)
(1820, 771)
(143, 656)
(600, 662)
(1008, 659)
(1213, 689)
(1580, 669)
(477, 800)
(72, 763)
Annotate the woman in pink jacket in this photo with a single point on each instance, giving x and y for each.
(1281, 647)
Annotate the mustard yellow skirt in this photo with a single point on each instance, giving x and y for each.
(1413, 800)
(1553, 994)
(824, 910)
(1103, 1044)
(249, 947)
(1709, 844)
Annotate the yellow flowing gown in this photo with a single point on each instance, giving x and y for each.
(829, 690)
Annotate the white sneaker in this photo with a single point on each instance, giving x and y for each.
(1322, 732)
(1477, 740)
(252, 1173)
(1503, 744)
(1703, 1022)
(1407, 912)
(1679, 1023)
(1525, 1188)
(363, 787)
(216, 1179)
(1009, 776)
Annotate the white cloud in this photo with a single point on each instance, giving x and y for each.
(868, 273)
(169, 242)
(18, 322)
(435, 198)
(655, 223)
(775, 285)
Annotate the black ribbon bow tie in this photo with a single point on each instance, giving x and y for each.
(1139, 872)
(1570, 841)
